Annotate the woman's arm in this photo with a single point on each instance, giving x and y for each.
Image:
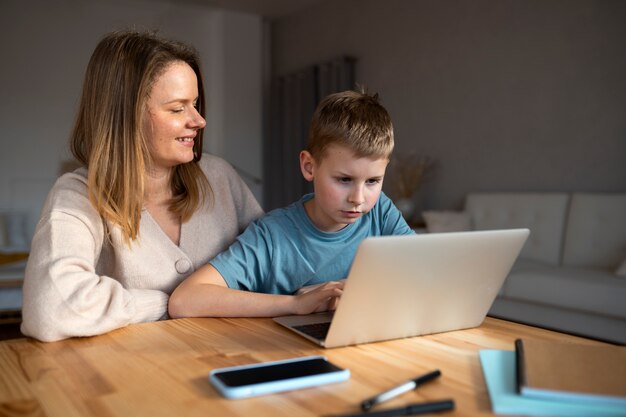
(205, 294)
(63, 294)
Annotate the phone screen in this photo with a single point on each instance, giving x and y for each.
(275, 372)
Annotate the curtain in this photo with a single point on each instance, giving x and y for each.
(293, 101)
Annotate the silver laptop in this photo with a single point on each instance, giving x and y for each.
(402, 286)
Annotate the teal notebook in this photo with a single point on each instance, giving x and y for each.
(500, 375)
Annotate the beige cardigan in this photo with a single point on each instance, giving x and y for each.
(78, 283)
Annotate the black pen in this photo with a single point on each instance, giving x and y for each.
(409, 410)
(400, 389)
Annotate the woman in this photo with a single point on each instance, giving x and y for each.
(148, 208)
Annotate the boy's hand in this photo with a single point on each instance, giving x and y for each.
(308, 288)
(319, 297)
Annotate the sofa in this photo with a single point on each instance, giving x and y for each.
(571, 274)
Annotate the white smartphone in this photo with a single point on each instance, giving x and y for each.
(277, 376)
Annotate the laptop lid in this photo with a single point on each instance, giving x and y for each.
(402, 286)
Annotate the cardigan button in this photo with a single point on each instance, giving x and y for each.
(182, 266)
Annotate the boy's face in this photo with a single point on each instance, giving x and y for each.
(346, 187)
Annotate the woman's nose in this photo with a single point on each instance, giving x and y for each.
(198, 122)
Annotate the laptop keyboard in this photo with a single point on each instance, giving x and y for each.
(315, 330)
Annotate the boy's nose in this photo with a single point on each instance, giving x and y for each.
(356, 197)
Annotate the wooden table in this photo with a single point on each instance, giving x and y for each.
(160, 369)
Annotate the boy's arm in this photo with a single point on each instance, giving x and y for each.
(205, 294)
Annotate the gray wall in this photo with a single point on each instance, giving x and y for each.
(505, 94)
(45, 46)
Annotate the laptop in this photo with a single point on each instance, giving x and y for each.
(412, 285)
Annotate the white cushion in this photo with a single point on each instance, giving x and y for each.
(15, 239)
(596, 231)
(3, 231)
(621, 270)
(543, 213)
(446, 221)
(596, 291)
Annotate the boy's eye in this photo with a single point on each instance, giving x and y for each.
(344, 179)
(373, 181)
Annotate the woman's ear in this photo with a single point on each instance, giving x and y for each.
(307, 165)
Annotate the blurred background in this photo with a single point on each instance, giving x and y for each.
(498, 95)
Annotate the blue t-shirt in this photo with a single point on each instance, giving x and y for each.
(284, 251)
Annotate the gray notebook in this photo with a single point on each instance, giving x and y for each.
(402, 286)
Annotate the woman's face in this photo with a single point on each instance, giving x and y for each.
(171, 121)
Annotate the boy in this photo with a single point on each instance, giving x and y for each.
(294, 260)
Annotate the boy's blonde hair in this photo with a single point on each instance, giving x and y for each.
(351, 118)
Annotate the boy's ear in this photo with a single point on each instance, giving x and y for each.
(307, 165)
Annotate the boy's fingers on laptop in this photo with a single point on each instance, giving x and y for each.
(308, 288)
(318, 299)
(329, 305)
(333, 303)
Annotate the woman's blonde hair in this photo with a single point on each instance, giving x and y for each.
(107, 137)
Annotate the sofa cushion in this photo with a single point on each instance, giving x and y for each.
(543, 213)
(595, 291)
(621, 270)
(596, 231)
(446, 221)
